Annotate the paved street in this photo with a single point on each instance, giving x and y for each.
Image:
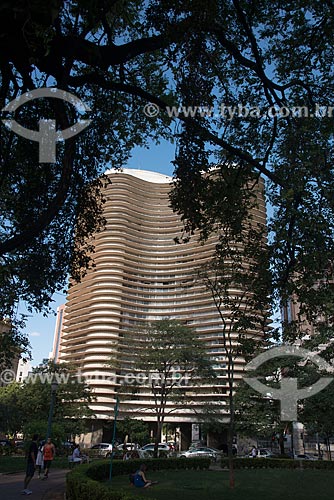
(53, 488)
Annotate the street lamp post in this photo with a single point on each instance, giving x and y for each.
(54, 387)
(113, 437)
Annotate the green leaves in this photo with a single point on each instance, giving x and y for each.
(26, 406)
(135, 430)
(169, 356)
(268, 57)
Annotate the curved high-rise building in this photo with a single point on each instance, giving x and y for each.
(141, 274)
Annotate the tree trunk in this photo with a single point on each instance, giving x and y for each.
(230, 433)
(328, 445)
(160, 422)
(281, 442)
(230, 456)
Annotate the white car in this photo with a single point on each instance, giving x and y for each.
(148, 450)
(102, 450)
(263, 453)
(128, 446)
(201, 451)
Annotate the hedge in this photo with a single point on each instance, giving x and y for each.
(86, 482)
(277, 463)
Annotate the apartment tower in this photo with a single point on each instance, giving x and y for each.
(140, 275)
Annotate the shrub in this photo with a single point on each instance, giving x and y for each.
(80, 487)
(6, 450)
(86, 482)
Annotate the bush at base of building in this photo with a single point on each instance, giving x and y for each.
(86, 482)
(277, 463)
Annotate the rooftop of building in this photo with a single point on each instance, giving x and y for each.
(145, 175)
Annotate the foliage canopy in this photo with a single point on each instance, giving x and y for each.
(243, 66)
(25, 407)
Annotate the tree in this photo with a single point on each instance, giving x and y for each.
(172, 360)
(256, 415)
(132, 430)
(49, 211)
(251, 85)
(14, 344)
(259, 414)
(315, 412)
(11, 414)
(251, 71)
(239, 282)
(26, 405)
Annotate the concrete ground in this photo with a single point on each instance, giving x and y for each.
(52, 488)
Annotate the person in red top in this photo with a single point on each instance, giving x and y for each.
(48, 455)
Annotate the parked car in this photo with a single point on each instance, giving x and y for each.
(263, 453)
(19, 443)
(129, 446)
(197, 444)
(148, 450)
(68, 444)
(202, 451)
(304, 456)
(5, 442)
(101, 450)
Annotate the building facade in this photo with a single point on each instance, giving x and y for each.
(141, 274)
(55, 353)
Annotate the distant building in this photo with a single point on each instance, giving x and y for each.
(291, 312)
(23, 370)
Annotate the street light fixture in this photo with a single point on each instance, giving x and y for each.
(54, 388)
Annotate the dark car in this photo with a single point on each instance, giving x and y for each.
(19, 443)
(5, 442)
(304, 456)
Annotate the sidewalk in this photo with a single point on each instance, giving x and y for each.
(52, 488)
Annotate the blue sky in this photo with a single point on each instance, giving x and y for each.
(41, 329)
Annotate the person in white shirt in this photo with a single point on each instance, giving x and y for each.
(39, 459)
(76, 455)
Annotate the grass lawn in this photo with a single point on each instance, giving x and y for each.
(257, 484)
(18, 464)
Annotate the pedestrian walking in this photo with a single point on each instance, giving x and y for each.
(31, 464)
(40, 459)
(49, 452)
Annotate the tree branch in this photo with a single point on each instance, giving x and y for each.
(38, 226)
(93, 78)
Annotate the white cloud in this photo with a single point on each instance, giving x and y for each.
(34, 334)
